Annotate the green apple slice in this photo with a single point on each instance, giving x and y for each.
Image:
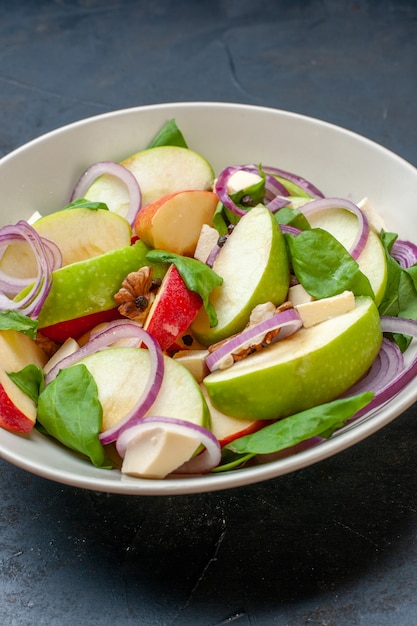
(343, 225)
(313, 366)
(79, 234)
(254, 266)
(89, 286)
(121, 375)
(159, 171)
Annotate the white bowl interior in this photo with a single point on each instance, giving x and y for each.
(41, 174)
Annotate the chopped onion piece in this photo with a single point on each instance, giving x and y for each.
(404, 252)
(48, 258)
(118, 171)
(286, 322)
(322, 204)
(199, 464)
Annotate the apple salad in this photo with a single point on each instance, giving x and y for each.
(172, 321)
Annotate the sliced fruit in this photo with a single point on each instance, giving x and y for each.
(174, 221)
(121, 375)
(254, 266)
(313, 366)
(79, 233)
(226, 428)
(78, 326)
(159, 171)
(173, 309)
(89, 286)
(343, 226)
(17, 410)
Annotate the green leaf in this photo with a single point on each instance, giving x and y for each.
(323, 265)
(70, 411)
(83, 203)
(30, 380)
(169, 135)
(13, 320)
(290, 431)
(292, 217)
(197, 276)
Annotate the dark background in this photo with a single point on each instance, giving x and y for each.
(334, 544)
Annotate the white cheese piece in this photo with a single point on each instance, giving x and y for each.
(298, 295)
(68, 347)
(313, 313)
(194, 361)
(376, 221)
(34, 217)
(206, 242)
(158, 452)
(240, 180)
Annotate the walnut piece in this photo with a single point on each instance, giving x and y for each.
(259, 313)
(136, 295)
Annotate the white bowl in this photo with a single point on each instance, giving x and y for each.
(40, 176)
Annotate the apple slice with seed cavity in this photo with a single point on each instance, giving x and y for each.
(17, 410)
(159, 171)
(313, 366)
(254, 266)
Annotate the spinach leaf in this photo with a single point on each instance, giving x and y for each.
(400, 297)
(83, 203)
(323, 265)
(287, 432)
(70, 411)
(292, 217)
(197, 276)
(13, 320)
(169, 135)
(30, 380)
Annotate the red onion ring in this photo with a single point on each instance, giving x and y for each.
(301, 182)
(322, 204)
(199, 464)
(287, 322)
(118, 171)
(48, 258)
(272, 187)
(391, 375)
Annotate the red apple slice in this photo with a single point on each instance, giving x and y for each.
(174, 221)
(17, 410)
(173, 310)
(78, 326)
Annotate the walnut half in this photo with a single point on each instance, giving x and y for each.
(137, 293)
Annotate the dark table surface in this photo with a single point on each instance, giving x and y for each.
(334, 544)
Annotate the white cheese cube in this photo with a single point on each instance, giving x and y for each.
(206, 242)
(158, 452)
(194, 361)
(313, 313)
(241, 179)
(298, 295)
